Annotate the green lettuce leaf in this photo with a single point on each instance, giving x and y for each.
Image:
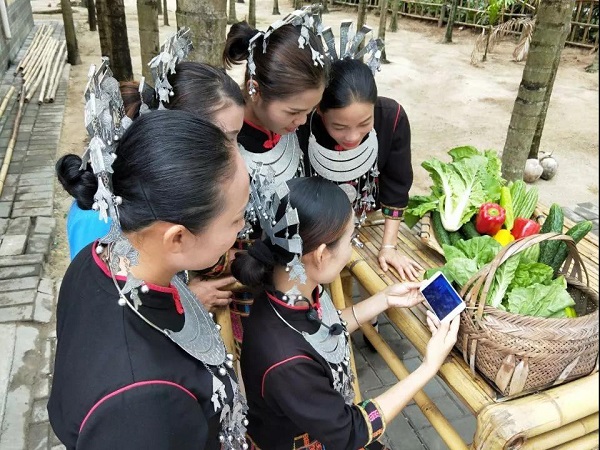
(529, 273)
(417, 207)
(466, 151)
(482, 249)
(541, 300)
(461, 270)
(502, 279)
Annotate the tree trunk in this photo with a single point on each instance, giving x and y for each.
(252, 13)
(148, 28)
(382, 25)
(120, 59)
(298, 4)
(547, 42)
(324, 6)
(103, 28)
(165, 14)
(91, 7)
(207, 20)
(160, 7)
(394, 19)
(362, 14)
(450, 24)
(231, 17)
(70, 36)
(593, 67)
(276, 8)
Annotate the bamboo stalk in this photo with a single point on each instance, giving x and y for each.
(429, 409)
(337, 297)
(32, 73)
(587, 442)
(43, 70)
(7, 97)
(33, 63)
(12, 141)
(33, 50)
(57, 63)
(563, 434)
(52, 66)
(33, 44)
(57, 80)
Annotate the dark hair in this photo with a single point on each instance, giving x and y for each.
(351, 81)
(323, 210)
(284, 69)
(130, 93)
(170, 166)
(80, 184)
(197, 88)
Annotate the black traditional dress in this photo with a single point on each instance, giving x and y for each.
(299, 397)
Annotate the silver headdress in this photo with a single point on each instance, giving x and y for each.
(350, 44)
(266, 197)
(105, 121)
(173, 50)
(308, 18)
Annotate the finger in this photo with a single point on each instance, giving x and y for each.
(412, 285)
(383, 264)
(223, 294)
(224, 281)
(431, 325)
(434, 319)
(222, 301)
(454, 326)
(416, 265)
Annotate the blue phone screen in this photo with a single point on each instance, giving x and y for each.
(441, 296)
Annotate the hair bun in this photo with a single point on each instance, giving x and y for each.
(80, 184)
(236, 46)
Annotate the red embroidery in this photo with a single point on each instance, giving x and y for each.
(273, 138)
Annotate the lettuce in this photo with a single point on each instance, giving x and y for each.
(541, 300)
(531, 273)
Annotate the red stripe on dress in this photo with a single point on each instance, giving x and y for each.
(397, 116)
(129, 387)
(262, 389)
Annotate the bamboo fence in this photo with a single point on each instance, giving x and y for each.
(471, 13)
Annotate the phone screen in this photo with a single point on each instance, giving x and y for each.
(441, 296)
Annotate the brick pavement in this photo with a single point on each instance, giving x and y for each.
(27, 299)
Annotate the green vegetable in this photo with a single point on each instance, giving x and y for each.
(531, 254)
(524, 201)
(529, 273)
(468, 230)
(455, 236)
(541, 300)
(517, 193)
(553, 224)
(577, 232)
(502, 279)
(507, 203)
(482, 249)
(459, 187)
(440, 232)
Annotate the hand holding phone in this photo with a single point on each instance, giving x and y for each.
(442, 298)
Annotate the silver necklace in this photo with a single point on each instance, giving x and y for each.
(335, 350)
(199, 337)
(285, 164)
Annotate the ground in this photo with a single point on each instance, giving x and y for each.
(449, 101)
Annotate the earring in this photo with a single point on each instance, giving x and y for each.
(251, 89)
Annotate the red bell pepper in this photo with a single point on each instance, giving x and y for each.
(525, 227)
(490, 218)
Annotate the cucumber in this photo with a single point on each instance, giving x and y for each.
(578, 232)
(455, 236)
(469, 231)
(438, 229)
(553, 224)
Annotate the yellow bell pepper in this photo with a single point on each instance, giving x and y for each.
(570, 312)
(504, 237)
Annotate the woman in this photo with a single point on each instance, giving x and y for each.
(139, 363)
(351, 120)
(295, 361)
(283, 83)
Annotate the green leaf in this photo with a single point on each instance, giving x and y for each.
(482, 249)
(417, 207)
(451, 252)
(502, 279)
(541, 300)
(529, 273)
(461, 270)
(463, 152)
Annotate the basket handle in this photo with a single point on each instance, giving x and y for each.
(475, 291)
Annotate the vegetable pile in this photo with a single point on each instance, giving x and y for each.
(474, 213)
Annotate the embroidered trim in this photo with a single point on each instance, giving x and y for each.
(397, 117)
(262, 389)
(129, 387)
(305, 442)
(219, 267)
(272, 138)
(373, 418)
(392, 212)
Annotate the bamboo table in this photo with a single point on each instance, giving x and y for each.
(562, 417)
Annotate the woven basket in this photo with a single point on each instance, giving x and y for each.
(428, 237)
(519, 354)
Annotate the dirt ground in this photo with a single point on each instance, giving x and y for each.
(449, 101)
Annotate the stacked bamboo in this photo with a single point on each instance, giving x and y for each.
(42, 65)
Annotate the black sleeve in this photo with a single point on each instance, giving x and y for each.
(145, 417)
(315, 407)
(397, 175)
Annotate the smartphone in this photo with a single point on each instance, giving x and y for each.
(442, 298)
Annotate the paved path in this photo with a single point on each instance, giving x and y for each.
(27, 299)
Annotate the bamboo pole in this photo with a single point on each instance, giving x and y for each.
(429, 409)
(337, 297)
(51, 73)
(573, 430)
(7, 97)
(34, 62)
(587, 442)
(12, 141)
(513, 422)
(33, 44)
(33, 73)
(57, 80)
(33, 49)
(42, 73)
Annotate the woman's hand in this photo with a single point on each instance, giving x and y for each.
(403, 295)
(443, 338)
(209, 291)
(406, 267)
